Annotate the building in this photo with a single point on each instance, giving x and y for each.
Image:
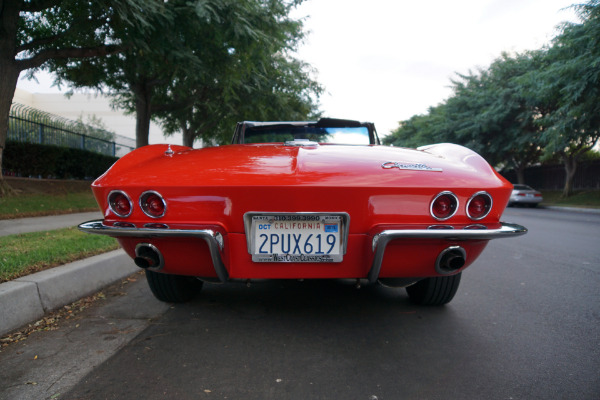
(88, 106)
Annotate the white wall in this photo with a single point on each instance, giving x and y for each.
(88, 104)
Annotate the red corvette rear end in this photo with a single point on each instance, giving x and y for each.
(301, 209)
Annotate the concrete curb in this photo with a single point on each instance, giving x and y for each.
(28, 298)
(573, 209)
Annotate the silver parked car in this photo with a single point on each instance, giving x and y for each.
(523, 194)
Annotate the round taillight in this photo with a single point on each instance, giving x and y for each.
(479, 206)
(444, 206)
(153, 204)
(120, 204)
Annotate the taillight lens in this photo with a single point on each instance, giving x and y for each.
(120, 204)
(153, 204)
(479, 206)
(444, 206)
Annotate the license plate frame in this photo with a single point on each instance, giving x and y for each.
(334, 220)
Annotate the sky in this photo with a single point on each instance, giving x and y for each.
(384, 61)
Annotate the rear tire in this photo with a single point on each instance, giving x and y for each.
(172, 288)
(434, 291)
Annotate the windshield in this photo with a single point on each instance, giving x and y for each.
(282, 133)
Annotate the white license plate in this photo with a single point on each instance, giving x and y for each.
(316, 238)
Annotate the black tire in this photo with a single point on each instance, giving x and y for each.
(434, 291)
(172, 288)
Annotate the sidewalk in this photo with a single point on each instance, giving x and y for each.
(574, 209)
(36, 224)
(27, 299)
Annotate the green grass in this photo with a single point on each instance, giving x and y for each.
(32, 252)
(44, 204)
(589, 198)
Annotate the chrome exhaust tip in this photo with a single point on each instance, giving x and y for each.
(147, 256)
(450, 260)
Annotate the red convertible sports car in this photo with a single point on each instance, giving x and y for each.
(303, 200)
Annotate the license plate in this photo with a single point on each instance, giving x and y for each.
(307, 237)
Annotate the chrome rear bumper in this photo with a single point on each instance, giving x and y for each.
(381, 240)
(213, 239)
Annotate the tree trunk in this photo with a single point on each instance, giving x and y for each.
(188, 137)
(520, 174)
(143, 113)
(9, 70)
(570, 168)
(9, 74)
(519, 168)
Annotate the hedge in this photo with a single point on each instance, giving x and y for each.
(38, 160)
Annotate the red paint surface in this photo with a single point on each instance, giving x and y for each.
(214, 187)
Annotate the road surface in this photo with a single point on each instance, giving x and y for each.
(525, 324)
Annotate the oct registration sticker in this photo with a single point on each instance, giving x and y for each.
(297, 238)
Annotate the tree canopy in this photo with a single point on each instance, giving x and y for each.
(36, 32)
(525, 107)
(570, 86)
(210, 63)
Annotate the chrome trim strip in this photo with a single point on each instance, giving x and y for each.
(381, 240)
(211, 238)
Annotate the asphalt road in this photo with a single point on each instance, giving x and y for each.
(525, 324)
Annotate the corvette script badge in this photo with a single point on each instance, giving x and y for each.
(408, 166)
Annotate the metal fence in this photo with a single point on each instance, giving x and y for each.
(30, 125)
(552, 177)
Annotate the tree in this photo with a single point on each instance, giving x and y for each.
(498, 118)
(201, 69)
(539, 103)
(422, 129)
(149, 59)
(35, 32)
(570, 87)
(489, 112)
(281, 91)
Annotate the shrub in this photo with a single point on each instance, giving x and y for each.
(37, 160)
